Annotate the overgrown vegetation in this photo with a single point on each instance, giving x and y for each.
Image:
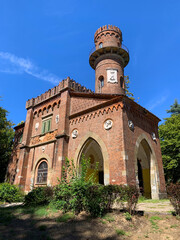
(10, 193)
(39, 196)
(169, 133)
(173, 191)
(76, 192)
(6, 142)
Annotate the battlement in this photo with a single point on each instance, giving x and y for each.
(106, 28)
(66, 83)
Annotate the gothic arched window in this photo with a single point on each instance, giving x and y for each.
(42, 173)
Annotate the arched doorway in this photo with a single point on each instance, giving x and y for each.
(143, 166)
(146, 168)
(92, 151)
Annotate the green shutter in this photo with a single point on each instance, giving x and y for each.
(44, 127)
(49, 125)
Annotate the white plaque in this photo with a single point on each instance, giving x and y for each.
(57, 118)
(112, 75)
(74, 133)
(36, 126)
(108, 124)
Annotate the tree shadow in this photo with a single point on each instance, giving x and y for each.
(22, 223)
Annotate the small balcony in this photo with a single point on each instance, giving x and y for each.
(122, 46)
(95, 53)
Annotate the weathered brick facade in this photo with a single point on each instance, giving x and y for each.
(69, 120)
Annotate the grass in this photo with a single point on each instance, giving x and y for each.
(153, 220)
(66, 217)
(120, 232)
(108, 218)
(174, 226)
(128, 216)
(146, 200)
(6, 215)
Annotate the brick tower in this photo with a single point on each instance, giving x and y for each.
(108, 58)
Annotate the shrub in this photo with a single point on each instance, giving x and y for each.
(70, 192)
(132, 195)
(39, 196)
(173, 191)
(77, 193)
(10, 193)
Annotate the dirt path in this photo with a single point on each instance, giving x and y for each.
(157, 223)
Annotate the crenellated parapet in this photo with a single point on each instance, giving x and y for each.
(107, 29)
(66, 83)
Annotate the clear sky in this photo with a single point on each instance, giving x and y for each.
(44, 41)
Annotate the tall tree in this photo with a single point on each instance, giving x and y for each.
(175, 108)
(169, 133)
(6, 141)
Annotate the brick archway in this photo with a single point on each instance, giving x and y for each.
(154, 173)
(102, 145)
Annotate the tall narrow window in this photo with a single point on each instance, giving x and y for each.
(101, 83)
(100, 45)
(42, 173)
(46, 125)
(122, 82)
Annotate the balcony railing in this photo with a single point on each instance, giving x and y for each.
(122, 46)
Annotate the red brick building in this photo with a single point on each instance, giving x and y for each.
(105, 125)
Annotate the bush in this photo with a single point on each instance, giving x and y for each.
(77, 193)
(39, 196)
(10, 193)
(70, 194)
(132, 195)
(173, 191)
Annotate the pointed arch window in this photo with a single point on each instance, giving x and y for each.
(42, 173)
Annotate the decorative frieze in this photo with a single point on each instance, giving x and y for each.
(45, 138)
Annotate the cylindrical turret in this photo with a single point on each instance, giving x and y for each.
(108, 58)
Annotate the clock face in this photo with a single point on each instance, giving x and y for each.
(112, 75)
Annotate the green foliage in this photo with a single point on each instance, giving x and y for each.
(70, 194)
(169, 133)
(128, 216)
(77, 193)
(39, 196)
(120, 232)
(175, 108)
(6, 142)
(173, 191)
(108, 218)
(66, 217)
(20, 123)
(10, 193)
(126, 84)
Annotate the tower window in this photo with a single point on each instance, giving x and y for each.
(101, 45)
(122, 82)
(42, 173)
(46, 125)
(101, 81)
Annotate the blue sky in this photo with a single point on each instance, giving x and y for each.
(43, 42)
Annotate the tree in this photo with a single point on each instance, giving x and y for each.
(175, 108)
(169, 133)
(126, 84)
(6, 142)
